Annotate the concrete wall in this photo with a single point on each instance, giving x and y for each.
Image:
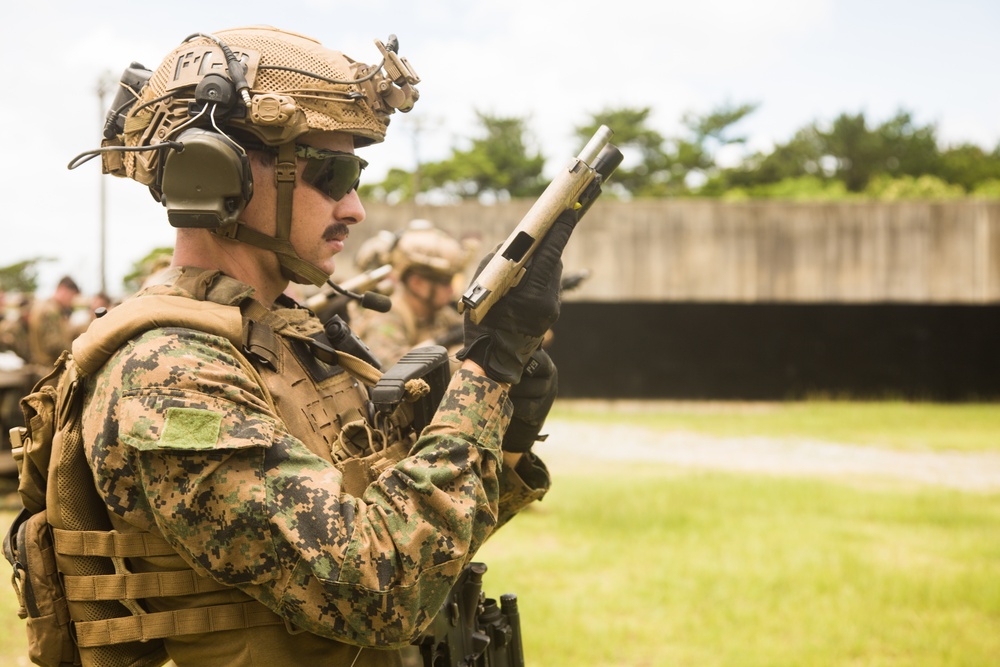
(700, 250)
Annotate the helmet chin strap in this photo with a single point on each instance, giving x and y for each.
(293, 267)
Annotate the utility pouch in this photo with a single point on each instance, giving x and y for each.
(28, 546)
(360, 472)
(31, 444)
(403, 402)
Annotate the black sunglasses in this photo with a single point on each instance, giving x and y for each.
(333, 173)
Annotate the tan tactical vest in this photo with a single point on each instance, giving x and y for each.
(321, 404)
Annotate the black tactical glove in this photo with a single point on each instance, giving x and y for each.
(503, 341)
(532, 398)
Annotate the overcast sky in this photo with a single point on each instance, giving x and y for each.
(555, 63)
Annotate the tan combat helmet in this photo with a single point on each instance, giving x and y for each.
(374, 251)
(257, 87)
(428, 251)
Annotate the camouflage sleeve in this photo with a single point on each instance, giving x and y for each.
(188, 447)
(522, 485)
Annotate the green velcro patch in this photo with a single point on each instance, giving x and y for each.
(191, 428)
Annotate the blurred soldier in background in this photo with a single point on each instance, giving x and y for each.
(425, 262)
(374, 252)
(49, 328)
(6, 340)
(154, 270)
(100, 303)
(14, 331)
(16, 375)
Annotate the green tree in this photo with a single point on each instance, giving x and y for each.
(396, 187)
(799, 158)
(896, 147)
(696, 154)
(848, 151)
(21, 276)
(886, 188)
(969, 166)
(500, 162)
(793, 188)
(988, 189)
(631, 133)
(664, 165)
(847, 157)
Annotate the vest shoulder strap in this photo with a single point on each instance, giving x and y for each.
(107, 334)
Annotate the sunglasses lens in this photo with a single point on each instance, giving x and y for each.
(335, 174)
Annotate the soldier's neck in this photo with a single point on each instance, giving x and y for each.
(254, 266)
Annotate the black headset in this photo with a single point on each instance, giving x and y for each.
(204, 178)
(207, 181)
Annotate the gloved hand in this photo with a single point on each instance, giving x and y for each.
(532, 398)
(503, 341)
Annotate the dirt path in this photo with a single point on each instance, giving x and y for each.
(573, 444)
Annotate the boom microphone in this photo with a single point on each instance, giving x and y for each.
(370, 300)
(377, 302)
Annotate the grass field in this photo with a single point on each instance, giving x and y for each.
(630, 565)
(913, 426)
(647, 567)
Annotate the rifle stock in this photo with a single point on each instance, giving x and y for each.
(472, 630)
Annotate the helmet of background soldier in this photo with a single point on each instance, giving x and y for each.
(429, 252)
(374, 251)
(254, 87)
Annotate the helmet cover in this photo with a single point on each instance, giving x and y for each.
(374, 251)
(296, 85)
(428, 251)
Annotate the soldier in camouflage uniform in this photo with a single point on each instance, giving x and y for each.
(219, 435)
(15, 329)
(6, 334)
(49, 328)
(425, 262)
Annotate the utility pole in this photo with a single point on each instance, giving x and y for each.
(105, 85)
(416, 127)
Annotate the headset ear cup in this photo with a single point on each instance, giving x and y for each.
(207, 183)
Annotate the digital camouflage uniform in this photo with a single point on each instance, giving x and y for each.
(391, 335)
(235, 470)
(14, 330)
(8, 341)
(49, 332)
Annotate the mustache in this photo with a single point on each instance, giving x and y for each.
(337, 230)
